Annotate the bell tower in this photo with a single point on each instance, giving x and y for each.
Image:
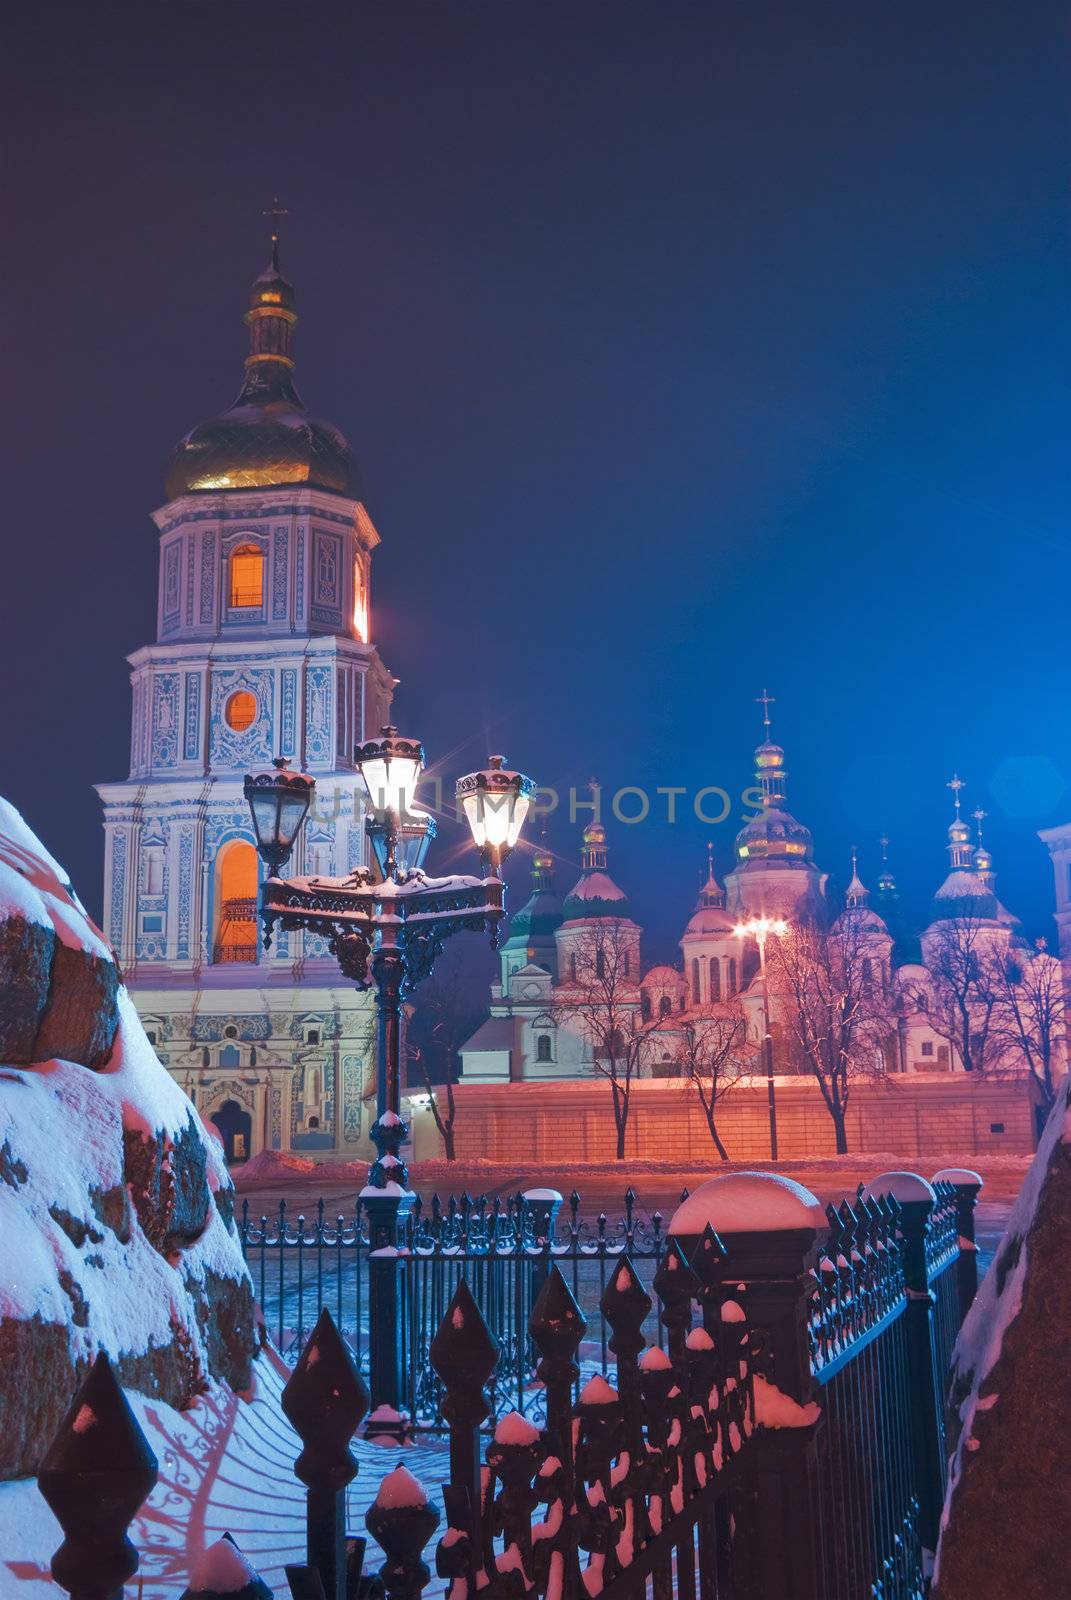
(263, 648)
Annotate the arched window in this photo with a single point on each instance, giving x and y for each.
(247, 577)
(572, 965)
(154, 870)
(715, 978)
(600, 962)
(236, 903)
(665, 1006)
(868, 973)
(696, 995)
(732, 974)
(543, 1047)
(645, 1006)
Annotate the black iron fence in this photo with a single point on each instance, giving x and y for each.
(501, 1247)
(773, 1430)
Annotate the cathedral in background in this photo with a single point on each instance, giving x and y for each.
(263, 649)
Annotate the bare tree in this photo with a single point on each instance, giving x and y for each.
(1028, 1017)
(711, 1056)
(959, 996)
(826, 984)
(601, 995)
(443, 1016)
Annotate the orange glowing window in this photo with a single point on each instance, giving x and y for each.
(360, 603)
(241, 710)
(247, 576)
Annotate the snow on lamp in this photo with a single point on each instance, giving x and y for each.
(495, 802)
(278, 802)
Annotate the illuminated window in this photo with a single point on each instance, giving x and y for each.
(247, 576)
(360, 602)
(241, 710)
(236, 904)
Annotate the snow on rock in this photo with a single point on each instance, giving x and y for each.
(1004, 1526)
(115, 1208)
(747, 1202)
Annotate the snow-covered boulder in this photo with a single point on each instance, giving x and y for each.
(116, 1209)
(1004, 1527)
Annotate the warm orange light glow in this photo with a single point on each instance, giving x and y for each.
(247, 576)
(241, 710)
(360, 604)
(236, 904)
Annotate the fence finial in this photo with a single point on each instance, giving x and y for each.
(98, 1472)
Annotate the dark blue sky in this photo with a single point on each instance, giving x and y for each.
(685, 348)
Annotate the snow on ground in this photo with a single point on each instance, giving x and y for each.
(226, 1466)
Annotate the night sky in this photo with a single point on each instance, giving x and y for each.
(686, 349)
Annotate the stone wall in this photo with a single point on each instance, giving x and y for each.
(913, 1115)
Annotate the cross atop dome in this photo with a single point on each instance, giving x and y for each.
(765, 700)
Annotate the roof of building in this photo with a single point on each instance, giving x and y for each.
(594, 894)
(266, 438)
(494, 1033)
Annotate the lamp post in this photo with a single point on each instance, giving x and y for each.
(386, 928)
(759, 929)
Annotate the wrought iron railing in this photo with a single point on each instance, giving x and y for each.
(773, 1435)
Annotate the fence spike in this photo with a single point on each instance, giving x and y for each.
(97, 1474)
(464, 1352)
(325, 1400)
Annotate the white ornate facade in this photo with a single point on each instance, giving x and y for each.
(262, 649)
(537, 1030)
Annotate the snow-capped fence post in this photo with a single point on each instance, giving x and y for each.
(401, 1519)
(223, 1573)
(325, 1400)
(915, 1198)
(676, 1286)
(968, 1186)
(769, 1227)
(464, 1353)
(98, 1472)
(538, 1220)
(625, 1305)
(557, 1326)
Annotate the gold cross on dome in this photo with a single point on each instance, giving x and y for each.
(277, 212)
(955, 783)
(979, 816)
(765, 700)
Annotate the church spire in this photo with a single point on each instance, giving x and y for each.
(886, 881)
(959, 833)
(770, 774)
(712, 893)
(982, 858)
(855, 896)
(271, 320)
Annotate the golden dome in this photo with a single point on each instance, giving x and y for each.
(266, 438)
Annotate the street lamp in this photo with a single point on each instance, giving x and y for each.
(759, 929)
(279, 801)
(387, 929)
(495, 802)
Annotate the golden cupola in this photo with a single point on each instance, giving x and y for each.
(266, 439)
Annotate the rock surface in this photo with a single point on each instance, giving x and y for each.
(1006, 1513)
(116, 1209)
